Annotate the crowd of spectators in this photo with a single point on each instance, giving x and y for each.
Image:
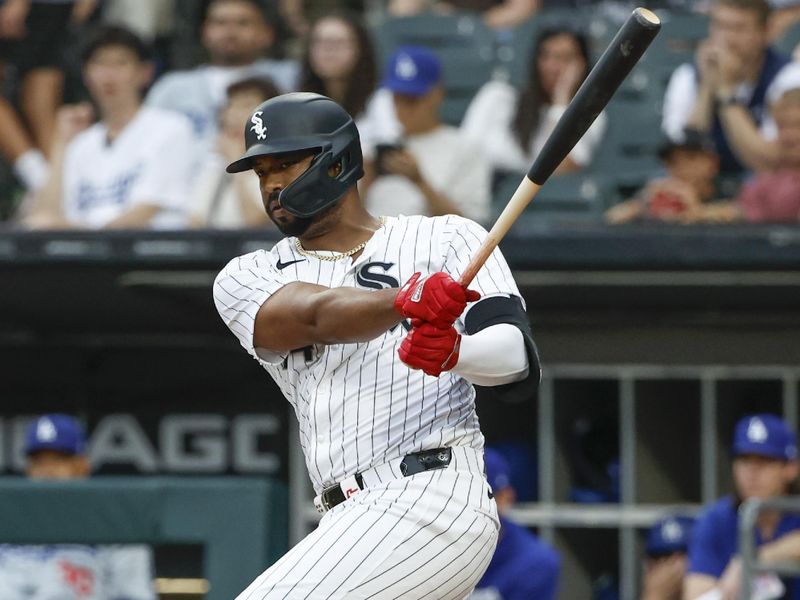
(101, 130)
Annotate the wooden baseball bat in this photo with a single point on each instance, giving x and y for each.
(622, 54)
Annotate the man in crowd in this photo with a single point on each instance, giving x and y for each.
(764, 467)
(665, 558)
(726, 92)
(237, 35)
(431, 170)
(132, 169)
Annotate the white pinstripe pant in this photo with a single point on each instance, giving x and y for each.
(429, 536)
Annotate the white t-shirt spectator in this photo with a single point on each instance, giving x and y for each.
(199, 93)
(451, 165)
(215, 200)
(149, 162)
(378, 124)
(489, 121)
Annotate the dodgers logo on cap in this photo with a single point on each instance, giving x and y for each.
(405, 67)
(413, 71)
(45, 430)
(671, 531)
(56, 432)
(765, 435)
(757, 431)
(669, 536)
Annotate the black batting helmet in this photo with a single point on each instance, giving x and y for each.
(305, 121)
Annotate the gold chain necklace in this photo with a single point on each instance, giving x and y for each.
(337, 256)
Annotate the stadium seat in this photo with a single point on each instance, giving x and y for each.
(514, 49)
(11, 192)
(644, 86)
(629, 153)
(584, 194)
(463, 43)
(789, 40)
(677, 41)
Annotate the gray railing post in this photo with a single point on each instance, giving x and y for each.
(748, 514)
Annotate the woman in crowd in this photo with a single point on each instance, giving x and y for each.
(513, 126)
(339, 61)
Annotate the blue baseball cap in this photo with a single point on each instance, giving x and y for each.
(412, 70)
(497, 470)
(765, 435)
(57, 432)
(669, 535)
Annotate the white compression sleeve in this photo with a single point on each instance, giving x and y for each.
(493, 356)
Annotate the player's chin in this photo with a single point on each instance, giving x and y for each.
(288, 224)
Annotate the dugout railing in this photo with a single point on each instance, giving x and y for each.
(749, 512)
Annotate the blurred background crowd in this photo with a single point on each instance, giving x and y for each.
(121, 114)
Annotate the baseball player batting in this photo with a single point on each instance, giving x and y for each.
(362, 324)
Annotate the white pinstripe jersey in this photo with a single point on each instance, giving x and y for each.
(357, 404)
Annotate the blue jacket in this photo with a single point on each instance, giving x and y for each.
(523, 567)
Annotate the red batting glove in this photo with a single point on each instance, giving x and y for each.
(430, 348)
(437, 299)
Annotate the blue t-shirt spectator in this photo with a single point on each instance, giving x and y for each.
(715, 543)
(523, 567)
(760, 443)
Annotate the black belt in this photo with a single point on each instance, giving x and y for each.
(416, 462)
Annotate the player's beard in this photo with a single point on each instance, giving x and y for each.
(310, 227)
(288, 225)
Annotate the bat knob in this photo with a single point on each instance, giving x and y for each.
(647, 17)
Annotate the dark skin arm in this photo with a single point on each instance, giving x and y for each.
(302, 314)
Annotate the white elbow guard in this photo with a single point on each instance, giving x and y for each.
(493, 356)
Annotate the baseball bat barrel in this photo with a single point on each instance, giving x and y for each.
(624, 51)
